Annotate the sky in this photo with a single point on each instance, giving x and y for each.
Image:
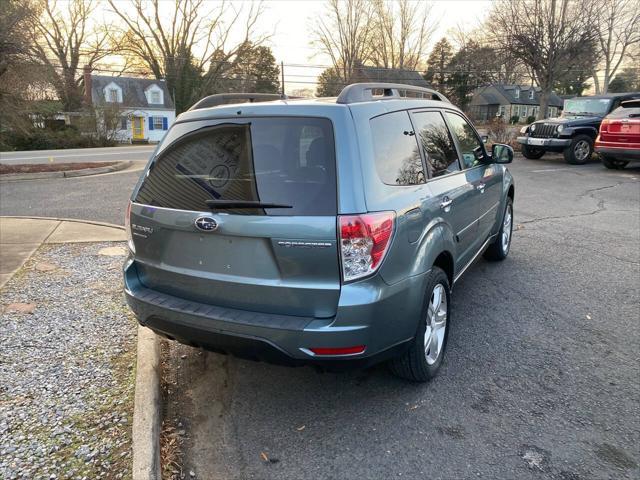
(288, 22)
(292, 19)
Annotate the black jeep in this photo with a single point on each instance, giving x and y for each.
(575, 131)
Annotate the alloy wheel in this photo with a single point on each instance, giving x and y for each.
(506, 229)
(436, 324)
(581, 150)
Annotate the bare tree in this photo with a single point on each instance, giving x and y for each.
(618, 25)
(344, 35)
(401, 32)
(548, 36)
(190, 49)
(64, 41)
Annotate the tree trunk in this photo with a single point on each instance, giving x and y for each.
(545, 94)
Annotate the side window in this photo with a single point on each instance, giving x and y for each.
(437, 144)
(397, 157)
(471, 147)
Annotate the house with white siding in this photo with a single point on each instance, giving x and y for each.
(145, 107)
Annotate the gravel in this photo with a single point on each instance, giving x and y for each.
(67, 369)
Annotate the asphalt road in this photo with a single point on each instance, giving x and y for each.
(541, 378)
(100, 198)
(108, 154)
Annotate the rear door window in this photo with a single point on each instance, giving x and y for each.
(437, 144)
(279, 160)
(397, 157)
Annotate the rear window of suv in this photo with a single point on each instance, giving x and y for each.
(277, 160)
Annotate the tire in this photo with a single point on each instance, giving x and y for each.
(613, 163)
(419, 364)
(532, 153)
(580, 150)
(499, 249)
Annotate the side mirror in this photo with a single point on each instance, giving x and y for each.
(485, 138)
(501, 153)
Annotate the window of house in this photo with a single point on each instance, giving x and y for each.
(155, 97)
(395, 148)
(112, 95)
(436, 142)
(515, 111)
(531, 94)
(123, 123)
(517, 93)
(471, 147)
(157, 123)
(503, 110)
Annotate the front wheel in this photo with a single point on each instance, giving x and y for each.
(613, 163)
(531, 153)
(499, 249)
(579, 151)
(420, 363)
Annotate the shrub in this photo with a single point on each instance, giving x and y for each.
(499, 132)
(531, 119)
(43, 139)
(514, 119)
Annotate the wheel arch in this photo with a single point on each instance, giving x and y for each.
(444, 261)
(589, 131)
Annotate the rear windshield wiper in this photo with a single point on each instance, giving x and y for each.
(222, 204)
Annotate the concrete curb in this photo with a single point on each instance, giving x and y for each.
(67, 174)
(75, 220)
(147, 408)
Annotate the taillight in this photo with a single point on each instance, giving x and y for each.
(364, 241)
(127, 227)
(604, 126)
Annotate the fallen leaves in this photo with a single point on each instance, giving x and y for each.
(265, 458)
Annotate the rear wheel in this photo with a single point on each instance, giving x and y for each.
(580, 150)
(532, 153)
(421, 361)
(613, 163)
(499, 249)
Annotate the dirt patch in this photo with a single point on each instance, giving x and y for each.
(51, 167)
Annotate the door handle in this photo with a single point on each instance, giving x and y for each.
(446, 204)
(480, 187)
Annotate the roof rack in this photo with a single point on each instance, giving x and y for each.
(363, 92)
(224, 98)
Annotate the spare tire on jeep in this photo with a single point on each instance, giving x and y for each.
(579, 151)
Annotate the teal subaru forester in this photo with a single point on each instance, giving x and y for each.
(326, 231)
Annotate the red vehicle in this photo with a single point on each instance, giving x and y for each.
(618, 142)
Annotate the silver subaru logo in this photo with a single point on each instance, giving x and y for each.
(206, 224)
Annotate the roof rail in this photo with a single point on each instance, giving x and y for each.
(363, 92)
(223, 98)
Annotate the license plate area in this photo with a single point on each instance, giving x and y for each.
(536, 141)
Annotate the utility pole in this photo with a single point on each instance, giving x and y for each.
(282, 77)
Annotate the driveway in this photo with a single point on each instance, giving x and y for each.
(540, 379)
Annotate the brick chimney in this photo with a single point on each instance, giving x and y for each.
(87, 85)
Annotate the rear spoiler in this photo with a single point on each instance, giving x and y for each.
(635, 103)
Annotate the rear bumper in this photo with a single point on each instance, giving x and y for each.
(545, 143)
(621, 153)
(382, 317)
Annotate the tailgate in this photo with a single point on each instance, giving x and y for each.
(280, 258)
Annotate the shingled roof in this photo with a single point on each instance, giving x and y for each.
(499, 94)
(133, 91)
